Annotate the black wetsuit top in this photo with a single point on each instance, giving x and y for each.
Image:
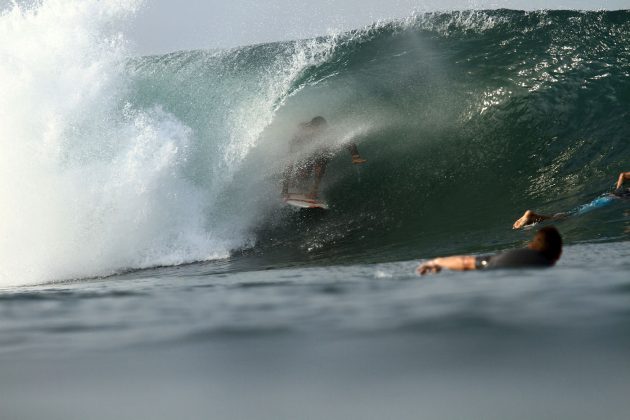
(516, 258)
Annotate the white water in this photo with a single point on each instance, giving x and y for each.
(87, 188)
(91, 184)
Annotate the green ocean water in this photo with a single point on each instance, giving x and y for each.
(150, 269)
(466, 119)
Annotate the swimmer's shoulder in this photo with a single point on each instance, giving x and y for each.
(522, 257)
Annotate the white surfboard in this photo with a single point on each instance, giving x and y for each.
(304, 202)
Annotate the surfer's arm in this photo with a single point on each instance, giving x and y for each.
(622, 177)
(458, 263)
(356, 157)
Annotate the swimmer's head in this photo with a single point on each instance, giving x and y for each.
(548, 242)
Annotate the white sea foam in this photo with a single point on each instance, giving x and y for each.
(87, 187)
(92, 183)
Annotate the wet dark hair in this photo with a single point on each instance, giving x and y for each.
(317, 122)
(548, 242)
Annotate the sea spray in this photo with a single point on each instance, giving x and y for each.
(88, 187)
(95, 178)
(111, 162)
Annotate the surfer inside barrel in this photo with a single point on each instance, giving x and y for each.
(543, 251)
(312, 150)
(530, 217)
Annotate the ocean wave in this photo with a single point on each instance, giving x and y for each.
(110, 162)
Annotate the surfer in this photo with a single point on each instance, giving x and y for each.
(543, 251)
(531, 217)
(310, 141)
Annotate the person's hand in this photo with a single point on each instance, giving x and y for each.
(357, 160)
(428, 267)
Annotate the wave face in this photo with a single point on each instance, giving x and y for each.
(109, 162)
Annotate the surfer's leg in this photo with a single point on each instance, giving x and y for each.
(601, 201)
(302, 172)
(286, 177)
(530, 217)
(319, 171)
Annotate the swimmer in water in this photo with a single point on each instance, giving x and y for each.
(310, 140)
(543, 251)
(530, 217)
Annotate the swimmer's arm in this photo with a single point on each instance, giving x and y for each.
(622, 177)
(356, 157)
(458, 263)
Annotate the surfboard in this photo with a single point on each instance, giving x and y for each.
(304, 202)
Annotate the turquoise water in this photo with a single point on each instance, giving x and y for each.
(148, 268)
